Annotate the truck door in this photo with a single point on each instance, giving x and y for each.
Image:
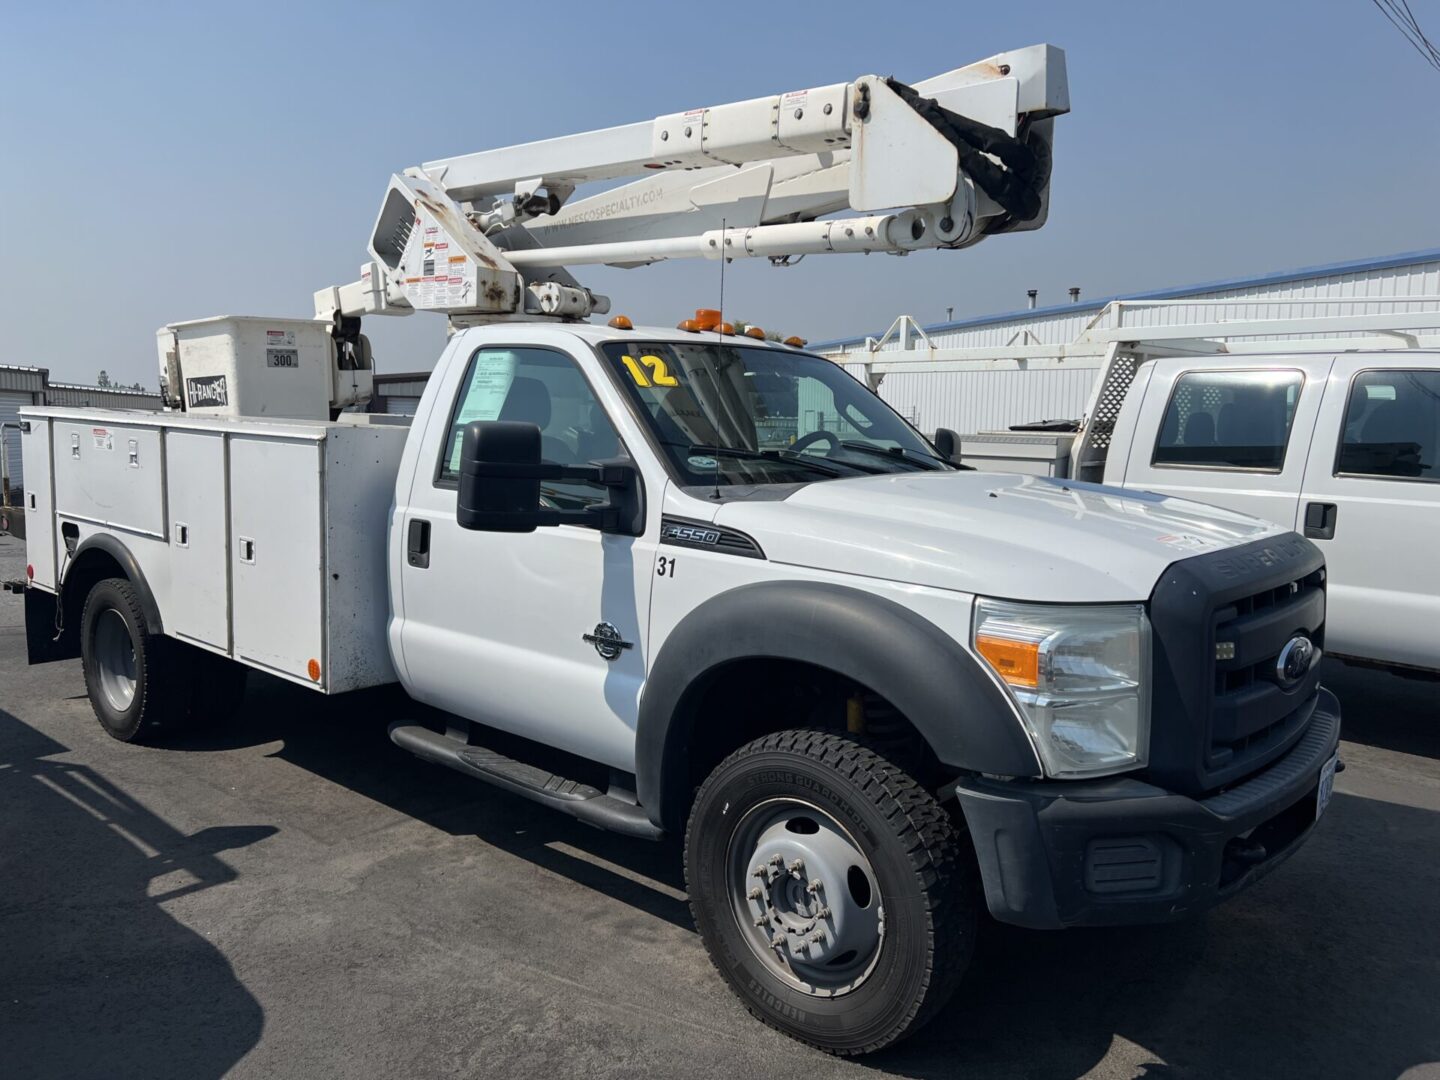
(509, 629)
(1371, 500)
(1231, 433)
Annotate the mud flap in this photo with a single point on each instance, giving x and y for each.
(41, 644)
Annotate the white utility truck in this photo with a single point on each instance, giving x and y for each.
(620, 573)
(1328, 424)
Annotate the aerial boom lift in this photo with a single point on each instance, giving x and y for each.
(871, 165)
(489, 235)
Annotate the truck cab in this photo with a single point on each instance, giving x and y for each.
(1339, 446)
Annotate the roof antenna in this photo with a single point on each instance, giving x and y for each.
(716, 493)
(724, 241)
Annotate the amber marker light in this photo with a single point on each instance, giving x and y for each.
(1017, 662)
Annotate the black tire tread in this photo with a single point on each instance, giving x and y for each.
(162, 690)
(927, 834)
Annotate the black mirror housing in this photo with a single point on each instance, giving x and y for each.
(948, 443)
(500, 476)
(498, 503)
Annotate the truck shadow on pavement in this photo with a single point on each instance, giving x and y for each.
(1325, 968)
(96, 978)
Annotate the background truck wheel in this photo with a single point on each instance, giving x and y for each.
(130, 674)
(831, 890)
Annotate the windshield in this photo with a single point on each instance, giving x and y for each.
(733, 414)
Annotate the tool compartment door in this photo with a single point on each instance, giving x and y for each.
(199, 608)
(276, 554)
(109, 473)
(39, 512)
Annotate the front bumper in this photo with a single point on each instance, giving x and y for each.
(1120, 851)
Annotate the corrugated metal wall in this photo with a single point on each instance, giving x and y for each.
(72, 395)
(975, 399)
(11, 402)
(968, 401)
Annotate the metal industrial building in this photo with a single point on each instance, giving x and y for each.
(958, 375)
(21, 386)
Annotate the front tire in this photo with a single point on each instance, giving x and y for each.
(130, 673)
(831, 890)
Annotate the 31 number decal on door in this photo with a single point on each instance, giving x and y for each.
(665, 566)
(658, 375)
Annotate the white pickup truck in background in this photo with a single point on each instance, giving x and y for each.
(1336, 439)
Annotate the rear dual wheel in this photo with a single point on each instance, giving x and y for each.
(831, 890)
(140, 683)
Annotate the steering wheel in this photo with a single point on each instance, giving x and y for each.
(806, 441)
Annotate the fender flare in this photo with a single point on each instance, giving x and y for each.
(112, 546)
(968, 721)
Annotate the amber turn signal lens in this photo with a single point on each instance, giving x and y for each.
(1017, 662)
(313, 668)
(726, 328)
(755, 332)
(621, 322)
(690, 326)
(795, 342)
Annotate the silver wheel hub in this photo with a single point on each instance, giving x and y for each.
(806, 897)
(115, 659)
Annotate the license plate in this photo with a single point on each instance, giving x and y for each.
(1327, 785)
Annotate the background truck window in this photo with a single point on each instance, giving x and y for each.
(1229, 420)
(544, 388)
(1391, 423)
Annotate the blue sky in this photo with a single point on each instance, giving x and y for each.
(172, 161)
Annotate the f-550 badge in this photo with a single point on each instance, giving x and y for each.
(607, 641)
(690, 534)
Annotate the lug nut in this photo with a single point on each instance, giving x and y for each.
(760, 872)
(756, 893)
(761, 921)
(822, 913)
(814, 885)
(777, 859)
(798, 867)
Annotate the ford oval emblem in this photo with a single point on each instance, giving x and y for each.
(1295, 661)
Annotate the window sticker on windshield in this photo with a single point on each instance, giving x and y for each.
(658, 375)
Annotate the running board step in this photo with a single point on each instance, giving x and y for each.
(589, 804)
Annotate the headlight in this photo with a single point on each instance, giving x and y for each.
(1081, 677)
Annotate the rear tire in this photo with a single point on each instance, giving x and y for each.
(131, 675)
(858, 917)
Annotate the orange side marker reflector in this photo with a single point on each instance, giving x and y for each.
(313, 667)
(1017, 662)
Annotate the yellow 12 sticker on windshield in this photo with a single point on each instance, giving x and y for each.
(659, 374)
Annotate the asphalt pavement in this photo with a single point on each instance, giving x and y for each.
(291, 895)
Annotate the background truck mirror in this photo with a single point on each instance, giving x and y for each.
(948, 443)
(500, 477)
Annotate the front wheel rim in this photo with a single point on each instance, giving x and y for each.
(805, 897)
(115, 660)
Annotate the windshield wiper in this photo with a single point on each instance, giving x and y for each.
(776, 456)
(922, 460)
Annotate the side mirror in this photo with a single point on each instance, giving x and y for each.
(948, 443)
(500, 477)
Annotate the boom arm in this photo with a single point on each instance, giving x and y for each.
(943, 164)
